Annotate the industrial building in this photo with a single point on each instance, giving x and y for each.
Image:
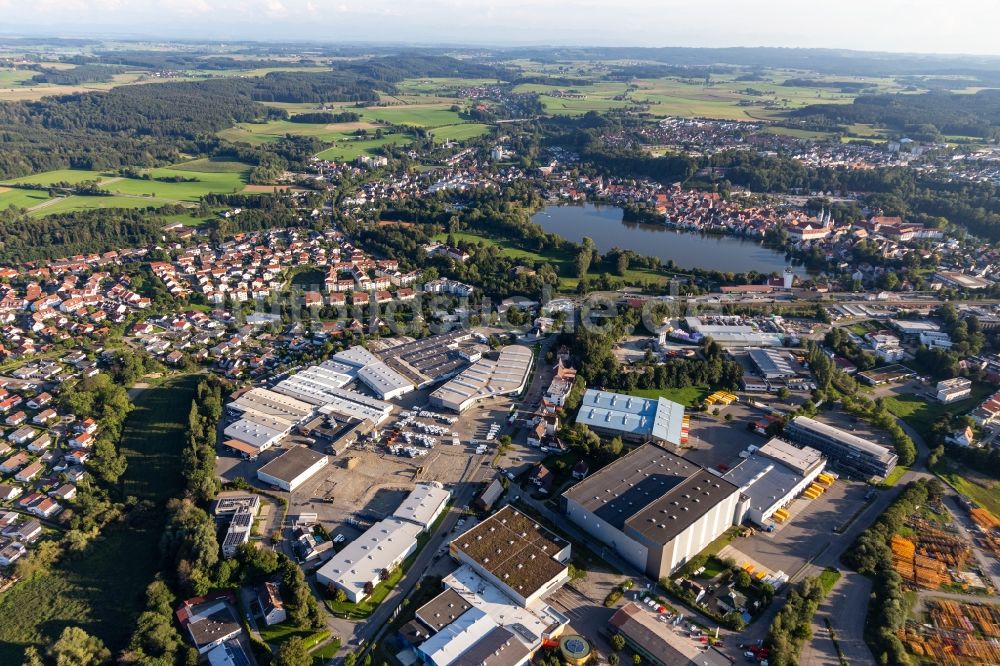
(852, 453)
(292, 468)
(772, 364)
(344, 404)
(433, 359)
(514, 553)
(424, 504)
(269, 403)
(633, 418)
(376, 375)
(507, 634)
(257, 431)
(492, 609)
(656, 509)
(486, 378)
(733, 335)
(361, 564)
(772, 476)
(951, 390)
(661, 643)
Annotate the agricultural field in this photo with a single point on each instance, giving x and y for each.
(10, 77)
(71, 176)
(352, 148)
(76, 591)
(212, 177)
(260, 133)
(417, 115)
(21, 198)
(459, 132)
(75, 203)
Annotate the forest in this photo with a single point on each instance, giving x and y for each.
(924, 116)
(150, 125)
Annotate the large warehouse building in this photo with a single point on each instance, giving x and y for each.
(516, 554)
(772, 476)
(656, 509)
(360, 565)
(292, 468)
(486, 378)
(854, 454)
(633, 418)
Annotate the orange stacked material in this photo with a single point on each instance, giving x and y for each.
(984, 519)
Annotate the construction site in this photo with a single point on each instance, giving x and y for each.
(955, 634)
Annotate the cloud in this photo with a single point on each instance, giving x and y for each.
(967, 26)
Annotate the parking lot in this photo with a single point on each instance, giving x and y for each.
(715, 441)
(809, 531)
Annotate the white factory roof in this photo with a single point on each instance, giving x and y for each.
(801, 459)
(772, 362)
(382, 379)
(447, 645)
(422, 504)
(361, 560)
(528, 625)
(911, 327)
(660, 418)
(735, 334)
(263, 401)
(274, 422)
(350, 404)
(871, 448)
(488, 378)
(356, 356)
(256, 435)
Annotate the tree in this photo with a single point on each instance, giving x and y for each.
(294, 652)
(76, 647)
(618, 642)
(613, 659)
(637, 659)
(32, 658)
(350, 659)
(742, 579)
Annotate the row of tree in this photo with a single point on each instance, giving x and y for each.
(871, 555)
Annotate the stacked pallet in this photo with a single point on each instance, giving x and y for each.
(984, 519)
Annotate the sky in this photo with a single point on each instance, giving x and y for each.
(914, 26)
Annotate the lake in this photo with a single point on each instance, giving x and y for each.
(604, 225)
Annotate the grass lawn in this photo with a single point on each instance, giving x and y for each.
(920, 412)
(686, 396)
(713, 568)
(367, 606)
(827, 579)
(277, 634)
(897, 473)
(103, 590)
(154, 438)
(326, 652)
(953, 473)
(560, 260)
